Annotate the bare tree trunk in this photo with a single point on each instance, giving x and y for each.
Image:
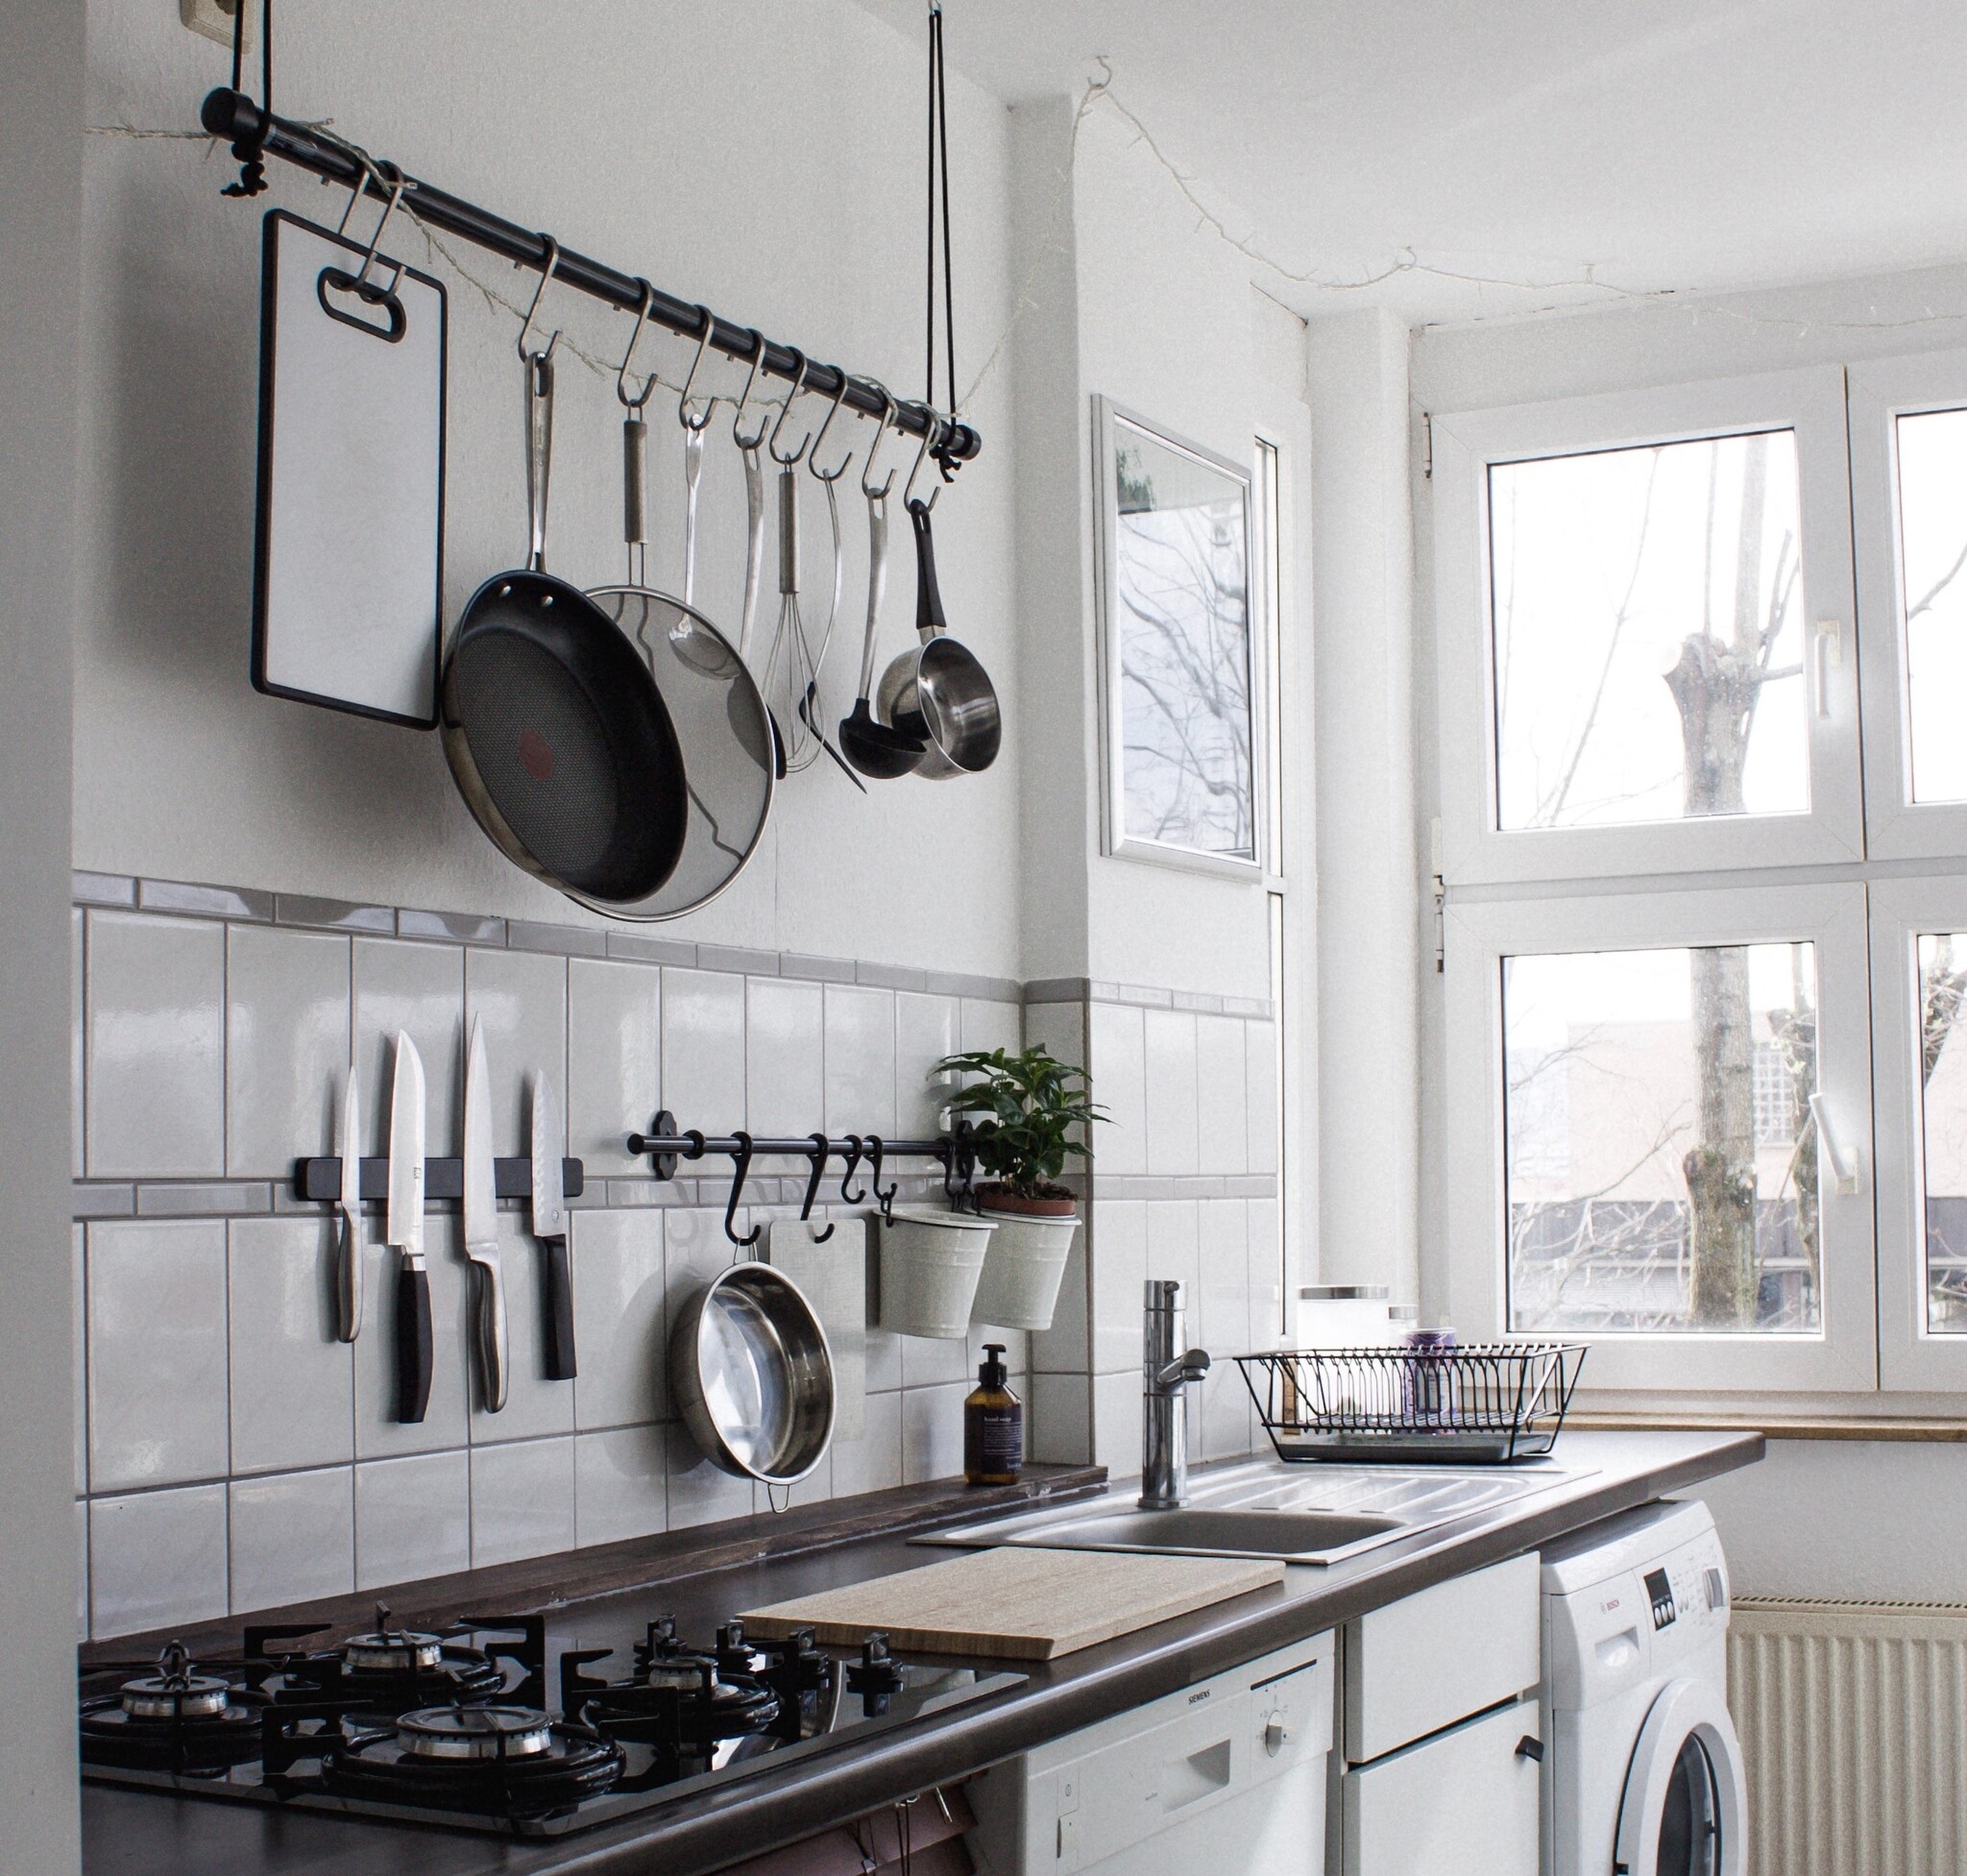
(1714, 686)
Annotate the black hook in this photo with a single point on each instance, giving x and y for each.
(821, 1146)
(854, 1153)
(885, 1200)
(742, 1162)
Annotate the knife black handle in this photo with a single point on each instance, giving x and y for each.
(413, 1358)
(559, 1337)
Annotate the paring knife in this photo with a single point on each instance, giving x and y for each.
(413, 1350)
(549, 1227)
(481, 1224)
(348, 1274)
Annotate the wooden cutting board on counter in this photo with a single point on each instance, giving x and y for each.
(1014, 1604)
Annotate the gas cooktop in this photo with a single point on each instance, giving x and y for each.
(455, 1728)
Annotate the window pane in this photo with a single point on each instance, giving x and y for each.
(1943, 1135)
(1932, 523)
(1648, 634)
(1660, 1159)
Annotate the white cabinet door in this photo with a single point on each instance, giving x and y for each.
(1463, 1803)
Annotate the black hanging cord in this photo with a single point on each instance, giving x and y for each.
(248, 149)
(939, 180)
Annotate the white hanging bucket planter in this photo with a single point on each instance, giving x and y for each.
(930, 1265)
(1025, 1263)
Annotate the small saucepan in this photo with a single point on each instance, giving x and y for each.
(939, 692)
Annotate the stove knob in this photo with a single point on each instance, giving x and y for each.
(1277, 1735)
(877, 1672)
(734, 1656)
(801, 1657)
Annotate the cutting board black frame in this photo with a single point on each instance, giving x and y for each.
(262, 531)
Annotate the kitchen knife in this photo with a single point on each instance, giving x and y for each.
(481, 1224)
(413, 1346)
(348, 1274)
(549, 1227)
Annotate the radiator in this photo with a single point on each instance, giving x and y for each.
(1853, 1718)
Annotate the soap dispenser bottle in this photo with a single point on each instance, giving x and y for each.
(993, 1426)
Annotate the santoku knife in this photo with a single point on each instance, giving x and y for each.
(549, 1227)
(348, 1274)
(413, 1346)
(481, 1224)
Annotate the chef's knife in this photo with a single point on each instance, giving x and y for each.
(348, 1274)
(413, 1349)
(549, 1227)
(481, 1224)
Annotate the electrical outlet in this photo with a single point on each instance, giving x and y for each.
(215, 19)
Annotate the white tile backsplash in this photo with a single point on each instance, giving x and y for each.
(293, 1537)
(613, 1060)
(522, 1501)
(155, 1081)
(206, 1363)
(293, 1379)
(156, 1559)
(286, 1047)
(156, 1337)
(620, 1484)
(619, 1319)
(77, 1328)
(413, 1518)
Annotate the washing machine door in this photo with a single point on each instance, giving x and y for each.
(1683, 1810)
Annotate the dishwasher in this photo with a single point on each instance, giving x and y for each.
(1227, 1775)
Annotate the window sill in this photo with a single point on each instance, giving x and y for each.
(1775, 1426)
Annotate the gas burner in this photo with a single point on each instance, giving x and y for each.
(507, 1761)
(387, 1650)
(388, 1670)
(173, 1720)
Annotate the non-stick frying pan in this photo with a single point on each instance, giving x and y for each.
(555, 732)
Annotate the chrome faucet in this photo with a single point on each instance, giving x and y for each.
(1167, 1373)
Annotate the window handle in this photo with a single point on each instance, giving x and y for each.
(1828, 649)
(1844, 1173)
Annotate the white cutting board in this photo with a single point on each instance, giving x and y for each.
(348, 569)
(1016, 1604)
(834, 1276)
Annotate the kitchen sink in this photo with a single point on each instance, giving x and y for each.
(1299, 1515)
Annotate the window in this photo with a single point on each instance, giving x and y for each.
(1705, 1098)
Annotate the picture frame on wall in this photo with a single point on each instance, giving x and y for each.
(1179, 663)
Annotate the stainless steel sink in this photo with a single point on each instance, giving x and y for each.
(1299, 1515)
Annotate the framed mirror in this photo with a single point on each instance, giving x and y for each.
(1178, 671)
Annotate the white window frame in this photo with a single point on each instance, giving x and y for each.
(1466, 444)
(1902, 909)
(1880, 392)
(1477, 935)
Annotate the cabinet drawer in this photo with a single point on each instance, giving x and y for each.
(1436, 1657)
(1463, 1803)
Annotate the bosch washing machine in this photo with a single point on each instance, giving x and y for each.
(1644, 1775)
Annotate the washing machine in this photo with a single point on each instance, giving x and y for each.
(1642, 1774)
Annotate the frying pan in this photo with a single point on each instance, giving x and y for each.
(713, 700)
(555, 733)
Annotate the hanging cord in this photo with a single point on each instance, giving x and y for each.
(252, 170)
(938, 177)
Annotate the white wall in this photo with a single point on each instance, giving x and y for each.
(40, 203)
(764, 158)
(1828, 1518)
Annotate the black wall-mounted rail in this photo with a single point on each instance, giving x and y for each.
(235, 117)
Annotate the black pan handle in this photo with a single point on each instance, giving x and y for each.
(560, 1364)
(414, 1359)
(928, 615)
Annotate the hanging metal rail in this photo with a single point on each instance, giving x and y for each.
(232, 115)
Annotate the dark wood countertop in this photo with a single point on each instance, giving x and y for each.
(143, 1834)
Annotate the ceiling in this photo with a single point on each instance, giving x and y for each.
(1653, 145)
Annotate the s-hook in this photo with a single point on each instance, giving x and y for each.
(821, 1147)
(937, 425)
(786, 410)
(831, 477)
(526, 331)
(885, 1200)
(855, 1150)
(741, 1159)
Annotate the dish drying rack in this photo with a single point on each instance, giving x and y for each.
(1490, 1404)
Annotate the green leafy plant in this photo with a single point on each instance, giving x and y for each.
(1029, 1105)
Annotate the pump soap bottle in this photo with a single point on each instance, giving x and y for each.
(993, 1426)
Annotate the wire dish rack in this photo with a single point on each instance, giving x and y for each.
(1481, 1405)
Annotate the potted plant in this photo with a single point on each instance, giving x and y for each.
(1029, 1107)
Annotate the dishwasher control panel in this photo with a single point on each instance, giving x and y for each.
(1244, 1751)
